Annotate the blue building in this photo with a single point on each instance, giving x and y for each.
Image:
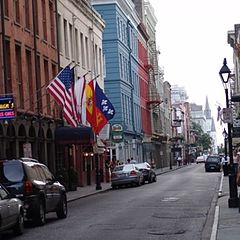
(121, 84)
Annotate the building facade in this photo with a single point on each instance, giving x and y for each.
(29, 58)
(123, 36)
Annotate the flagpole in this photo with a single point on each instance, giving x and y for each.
(98, 174)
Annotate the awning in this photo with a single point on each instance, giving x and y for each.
(77, 135)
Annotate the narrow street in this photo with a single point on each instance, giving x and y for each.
(180, 205)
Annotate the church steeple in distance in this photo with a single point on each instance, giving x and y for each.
(207, 110)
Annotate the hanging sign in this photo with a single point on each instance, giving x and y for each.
(117, 133)
(7, 110)
(227, 115)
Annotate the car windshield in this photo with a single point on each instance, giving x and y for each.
(126, 167)
(11, 171)
(213, 159)
(143, 165)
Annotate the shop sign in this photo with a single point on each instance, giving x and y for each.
(7, 108)
(117, 133)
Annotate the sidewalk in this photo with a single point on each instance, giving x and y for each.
(91, 189)
(227, 219)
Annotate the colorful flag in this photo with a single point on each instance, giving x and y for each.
(99, 110)
(80, 86)
(90, 104)
(62, 90)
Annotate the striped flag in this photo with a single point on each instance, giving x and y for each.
(62, 90)
(80, 85)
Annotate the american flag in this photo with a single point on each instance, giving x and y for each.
(62, 90)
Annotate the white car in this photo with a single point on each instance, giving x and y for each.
(200, 159)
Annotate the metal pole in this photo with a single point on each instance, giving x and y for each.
(98, 180)
(226, 170)
(233, 192)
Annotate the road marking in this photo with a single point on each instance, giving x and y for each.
(215, 224)
(220, 187)
(170, 199)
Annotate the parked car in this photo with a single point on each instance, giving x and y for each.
(149, 174)
(35, 185)
(11, 212)
(200, 159)
(125, 175)
(213, 163)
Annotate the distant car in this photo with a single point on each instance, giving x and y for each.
(35, 185)
(127, 174)
(11, 212)
(200, 159)
(148, 172)
(213, 163)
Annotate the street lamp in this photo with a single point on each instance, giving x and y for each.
(225, 166)
(233, 192)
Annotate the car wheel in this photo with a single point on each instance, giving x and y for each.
(139, 182)
(62, 209)
(150, 179)
(19, 227)
(40, 219)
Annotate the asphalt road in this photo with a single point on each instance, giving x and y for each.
(180, 205)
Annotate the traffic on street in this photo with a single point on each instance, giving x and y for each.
(179, 205)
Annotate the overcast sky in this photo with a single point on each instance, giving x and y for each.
(192, 37)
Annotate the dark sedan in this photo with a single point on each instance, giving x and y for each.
(11, 212)
(213, 163)
(148, 172)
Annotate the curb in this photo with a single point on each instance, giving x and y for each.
(215, 224)
(216, 214)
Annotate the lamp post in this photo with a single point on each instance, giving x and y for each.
(233, 192)
(225, 166)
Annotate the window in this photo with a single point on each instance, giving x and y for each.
(52, 28)
(96, 59)
(46, 75)
(47, 173)
(121, 67)
(13, 172)
(71, 40)
(100, 62)
(118, 27)
(82, 50)
(87, 52)
(35, 6)
(44, 20)
(60, 33)
(66, 38)
(76, 45)
(16, 11)
(3, 193)
(6, 8)
(19, 80)
(8, 79)
(38, 83)
(27, 14)
(29, 80)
